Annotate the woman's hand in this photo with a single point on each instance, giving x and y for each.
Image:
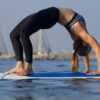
(94, 73)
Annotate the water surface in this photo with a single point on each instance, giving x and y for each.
(49, 89)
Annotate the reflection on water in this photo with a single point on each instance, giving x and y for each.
(49, 89)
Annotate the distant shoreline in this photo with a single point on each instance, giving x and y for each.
(58, 56)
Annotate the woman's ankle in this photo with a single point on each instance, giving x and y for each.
(28, 65)
(19, 64)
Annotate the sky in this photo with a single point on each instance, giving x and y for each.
(13, 11)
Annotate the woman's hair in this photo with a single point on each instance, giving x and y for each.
(74, 65)
(79, 49)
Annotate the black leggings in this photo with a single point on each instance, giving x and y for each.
(43, 19)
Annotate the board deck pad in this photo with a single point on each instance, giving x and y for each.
(48, 76)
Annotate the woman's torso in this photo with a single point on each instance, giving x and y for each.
(66, 15)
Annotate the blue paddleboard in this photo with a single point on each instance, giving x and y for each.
(48, 76)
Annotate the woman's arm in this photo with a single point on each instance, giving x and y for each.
(86, 63)
(94, 44)
(80, 30)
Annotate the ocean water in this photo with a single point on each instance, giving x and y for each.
(49, 89)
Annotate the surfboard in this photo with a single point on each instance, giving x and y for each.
(48, 76)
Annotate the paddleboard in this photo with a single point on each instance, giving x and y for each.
(48, 76)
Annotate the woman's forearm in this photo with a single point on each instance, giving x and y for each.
(94, 44)
(98, 59)
(86, 62)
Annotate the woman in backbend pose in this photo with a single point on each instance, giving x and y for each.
(45, 19)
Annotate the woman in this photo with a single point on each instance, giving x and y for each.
(45, 19)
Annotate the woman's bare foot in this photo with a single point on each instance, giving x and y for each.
(27, 70)
(19, 67)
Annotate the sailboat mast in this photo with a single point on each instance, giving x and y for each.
(40, 43)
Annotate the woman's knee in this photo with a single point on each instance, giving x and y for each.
(13, 36)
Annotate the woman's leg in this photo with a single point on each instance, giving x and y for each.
(20, 40)
(17, 46)
(41, 20)
(27, 46)
(18, 49)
